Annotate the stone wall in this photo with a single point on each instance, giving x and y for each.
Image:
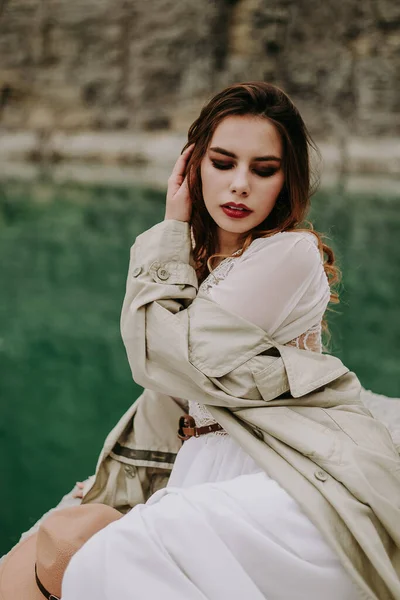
(75, 65)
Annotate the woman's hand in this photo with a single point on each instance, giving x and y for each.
(179, 204)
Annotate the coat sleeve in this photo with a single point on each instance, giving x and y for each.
(178, 344)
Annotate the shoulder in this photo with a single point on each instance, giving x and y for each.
(284, 238)
(299, 246)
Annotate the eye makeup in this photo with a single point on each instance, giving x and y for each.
(266, 158)
(225, 166)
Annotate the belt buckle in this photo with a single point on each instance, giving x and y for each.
(185, 421)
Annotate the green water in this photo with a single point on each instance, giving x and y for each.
(64, 377)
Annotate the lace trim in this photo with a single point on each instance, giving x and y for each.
(219, 273)
(310, 340)
(203, 417)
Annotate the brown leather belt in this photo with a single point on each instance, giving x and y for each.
(188, 429)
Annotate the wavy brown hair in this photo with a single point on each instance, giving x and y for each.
(266, 101)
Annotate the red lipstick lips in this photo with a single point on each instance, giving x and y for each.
(236, 211)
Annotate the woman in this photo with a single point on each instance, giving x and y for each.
(274, 494)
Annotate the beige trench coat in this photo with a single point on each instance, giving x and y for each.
(297, 413)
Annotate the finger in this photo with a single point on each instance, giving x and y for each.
(178, 171)
(184, 189)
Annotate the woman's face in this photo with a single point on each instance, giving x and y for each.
(242, 173)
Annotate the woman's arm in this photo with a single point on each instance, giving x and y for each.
(175, 341)
(192, 347)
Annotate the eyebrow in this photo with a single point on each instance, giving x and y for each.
(257, 158)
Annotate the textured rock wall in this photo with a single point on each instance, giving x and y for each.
(149, 65)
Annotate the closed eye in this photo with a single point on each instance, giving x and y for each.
(265, 172)
(225, 166)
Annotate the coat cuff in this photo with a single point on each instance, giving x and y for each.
(165, 253)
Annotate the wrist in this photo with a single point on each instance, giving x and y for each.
(171, 217)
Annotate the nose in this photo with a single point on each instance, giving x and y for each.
(240, 184)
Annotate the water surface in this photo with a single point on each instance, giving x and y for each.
(64, 377)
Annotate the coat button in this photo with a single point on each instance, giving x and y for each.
(136, 271)
(320, 475)
(130, 471)
(163, 274)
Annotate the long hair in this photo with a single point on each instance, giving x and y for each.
(267, 101)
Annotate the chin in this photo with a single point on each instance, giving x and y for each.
(237, 228)
(241, 226)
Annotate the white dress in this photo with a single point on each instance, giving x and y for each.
(223, 528)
